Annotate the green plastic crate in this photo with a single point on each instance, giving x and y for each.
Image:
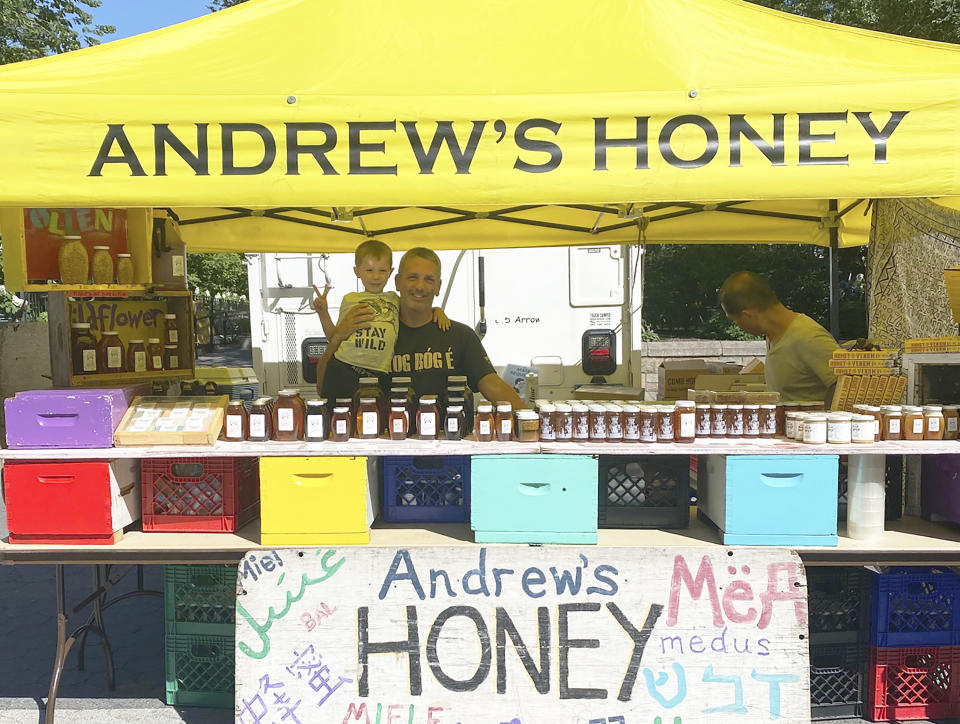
(200, 670)
(200, 600)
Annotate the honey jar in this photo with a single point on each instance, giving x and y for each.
(912, 422)
(504, 422)
(483, 425)
(933, 422)
(951, 418)
(528, 426)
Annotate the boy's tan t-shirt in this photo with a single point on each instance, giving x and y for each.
(371, 348)
(798, 365)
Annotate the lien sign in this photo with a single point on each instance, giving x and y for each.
(520, 635)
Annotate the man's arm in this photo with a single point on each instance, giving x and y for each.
(496, 390)
(358, 317)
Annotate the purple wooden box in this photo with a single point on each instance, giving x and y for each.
(67, 418)
(940, 487)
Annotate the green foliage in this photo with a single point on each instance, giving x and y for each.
(928, 19)
(35, 28)
(222, 4)
(681, 283)
(217, 273)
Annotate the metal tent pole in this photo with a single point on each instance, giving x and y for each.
(834, 263)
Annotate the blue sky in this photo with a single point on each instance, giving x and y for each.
(132, 17)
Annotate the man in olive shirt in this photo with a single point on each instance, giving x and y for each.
(423, 352)
(798, 349)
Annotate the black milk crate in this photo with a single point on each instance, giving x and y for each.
(644, 491)
(838, 599)
(837, 677)
(426, 489)
(893, 500)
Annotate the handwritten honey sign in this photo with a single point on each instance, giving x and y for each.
(521, 635)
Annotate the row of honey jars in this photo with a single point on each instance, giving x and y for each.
(749, 420)
(110, 355)
(283, 419)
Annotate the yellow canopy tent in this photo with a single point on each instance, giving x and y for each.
(286, 125)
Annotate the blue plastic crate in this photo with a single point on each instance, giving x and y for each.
(915, 607)
(426, 489)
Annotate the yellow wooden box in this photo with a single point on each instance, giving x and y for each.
(317, 500)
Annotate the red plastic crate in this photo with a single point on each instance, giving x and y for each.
(200, 495)
(920, 682)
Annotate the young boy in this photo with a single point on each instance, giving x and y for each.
(370, 351)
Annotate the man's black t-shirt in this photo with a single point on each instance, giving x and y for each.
(428, 356)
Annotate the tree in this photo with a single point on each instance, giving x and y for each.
(35, 28)
(217, 273)
(223, 4)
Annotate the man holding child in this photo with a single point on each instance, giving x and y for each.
(428, 347)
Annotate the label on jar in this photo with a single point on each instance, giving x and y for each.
(340, 427)
(89, 360)
(114, 358)
(172, 336)
(688, 424)
(815, 432)
(428, 424)
(933, 424)
(315, 426)
(398, 425)
(174, 362)
(505, 427)
(952, 424)
(285, 420)
(876, 428)
(838, 432)
(234, 426)
(370, 423)
(453, 425)
(157, 362)
(894, 425)
(139, 361)
(918, 426)
(861, 431)
(258, 425)
(178, 265)
(484, 427)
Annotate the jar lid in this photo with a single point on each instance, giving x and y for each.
(766, 407)
(580, 408)
(263, 401)
(755, 405)
(932, 408)
(368, 400)
(736, 407)
(122, 256)
(863, 418)
(429, 399)
(611, 407)
(504, 407)
(718, 407)
(368, 380)
(341, 409)
(631, 409)
(839, 418)
(871, 408)
(808, 403)
(912, 409)
(317, 402)
(816, 418)
(484, 407)
(345, 401)
(169, 316)
(597, 408)
(951, 407)
(72, 238)
(166, 346)
(649, 409)
(400, 379)
(795, 414)
(897, 412)
(109, 331)
(234, 403)
(685, 403)
(563, 407)
(455, 408)
(703, 405)
(891, 408)
(102, 248)
(153, 340)
(457, 378)
(547, 407)
(136, 341)
(399, 408)
(526, 415)
(81, 325)
(664, 408)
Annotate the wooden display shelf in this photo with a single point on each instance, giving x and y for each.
(118, 379)
(910, 541)
(471, 447)
(89, 290)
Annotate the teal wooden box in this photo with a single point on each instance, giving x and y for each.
(777, 500)
(534, 498)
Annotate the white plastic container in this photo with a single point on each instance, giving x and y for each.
(866, 496)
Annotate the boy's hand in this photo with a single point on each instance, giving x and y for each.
(320, 301)
(442, 320)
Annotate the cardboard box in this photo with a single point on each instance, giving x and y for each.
(608, 392)
(675, 377)
(723, 383)
(753, 367)
(724, 368)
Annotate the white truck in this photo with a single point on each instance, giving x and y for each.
(538, 304)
